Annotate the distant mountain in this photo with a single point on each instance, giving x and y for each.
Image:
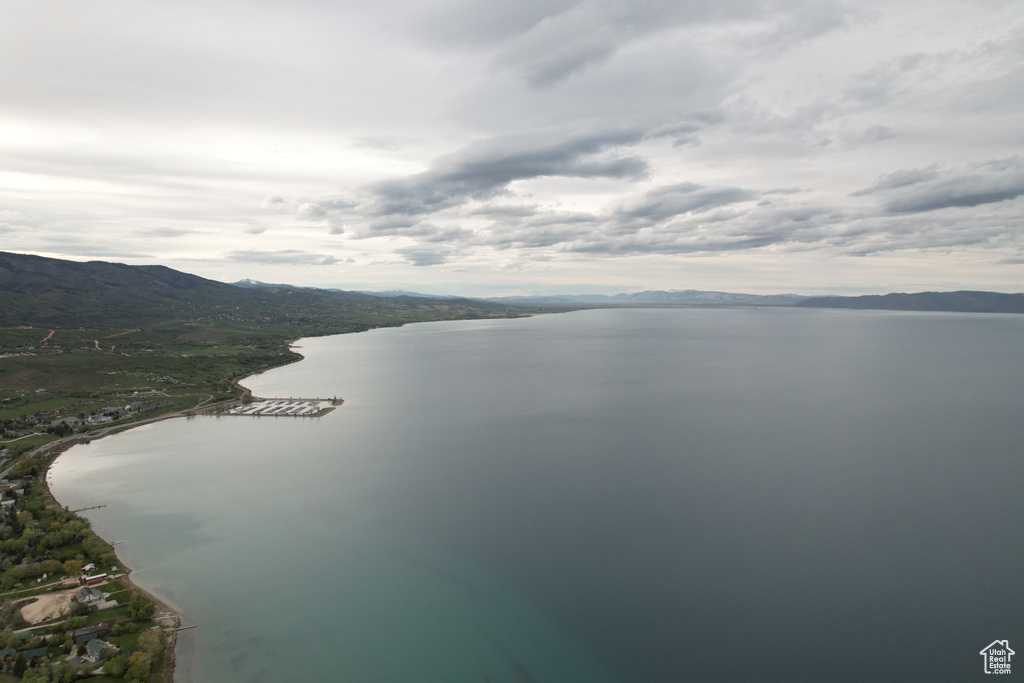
(45, 291)
(687, 297)
(402, 292)
(256, 284)
(962, 302)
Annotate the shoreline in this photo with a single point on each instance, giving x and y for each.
(56, 448)
(164, 611)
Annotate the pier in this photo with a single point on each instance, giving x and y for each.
(287, 407)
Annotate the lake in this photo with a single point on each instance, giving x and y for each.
(607, 495)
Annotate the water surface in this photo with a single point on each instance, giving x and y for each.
(613, 495)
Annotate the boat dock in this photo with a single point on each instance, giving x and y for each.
(287, 407)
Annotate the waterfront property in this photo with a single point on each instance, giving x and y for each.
(279, 407)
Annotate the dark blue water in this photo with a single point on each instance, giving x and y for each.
(630, 495)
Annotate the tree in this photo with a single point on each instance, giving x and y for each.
(151, 642)
(140, 666)
(73, 567)
(64, 673)
(140, 608)
(40, 675)
(20, 667)
(116, 666)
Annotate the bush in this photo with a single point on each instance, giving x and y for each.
(121, 628)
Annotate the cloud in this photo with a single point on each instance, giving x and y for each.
(282, 256)
(897, 179)
(546, 48)
(310, 210)
(419, 256)
(667, 202)
(923, 190)
(166, 232)
(273, 201)
(561, 45)
(485, 169)
(71, 248)
(254, 229)
(684, 131)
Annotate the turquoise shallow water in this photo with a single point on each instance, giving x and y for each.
(630, 495)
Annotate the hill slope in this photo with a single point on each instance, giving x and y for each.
(75, 332)
(960, 302)
(43, 291)
(672, 297)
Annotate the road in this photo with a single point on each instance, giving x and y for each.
(99, 433)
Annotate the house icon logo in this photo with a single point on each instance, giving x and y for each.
(997, 657)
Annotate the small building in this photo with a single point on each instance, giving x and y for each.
(88, 596)
(89, 633)
(94, 579)
(86, 638)
(96, 650)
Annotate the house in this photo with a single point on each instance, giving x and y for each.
(89, 633)
(97, 649)
(88, 568)
(88, 596)
(86, 637)
(6, 504)
(997, 657)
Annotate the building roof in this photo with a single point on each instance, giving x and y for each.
(87, 593)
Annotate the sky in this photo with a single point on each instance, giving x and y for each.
(555, 146)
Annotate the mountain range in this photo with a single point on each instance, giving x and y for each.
(46, 291)
(39, 290)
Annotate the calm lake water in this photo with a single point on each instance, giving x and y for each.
(611, 495)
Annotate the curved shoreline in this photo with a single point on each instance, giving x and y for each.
(56, 448)
(163, 610)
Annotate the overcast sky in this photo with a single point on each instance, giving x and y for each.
(456, 146)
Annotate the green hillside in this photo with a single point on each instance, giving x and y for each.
(76, 338)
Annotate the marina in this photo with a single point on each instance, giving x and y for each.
(287, 407)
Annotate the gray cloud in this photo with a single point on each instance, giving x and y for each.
(282, 256)
(310, 210)
(273, 201)
(587, 115)
(988, 183)
(664, 203)
(685, 130)
(167, 232)
(546, 45)
(897, 179)
(419, 256)
(484, 169)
